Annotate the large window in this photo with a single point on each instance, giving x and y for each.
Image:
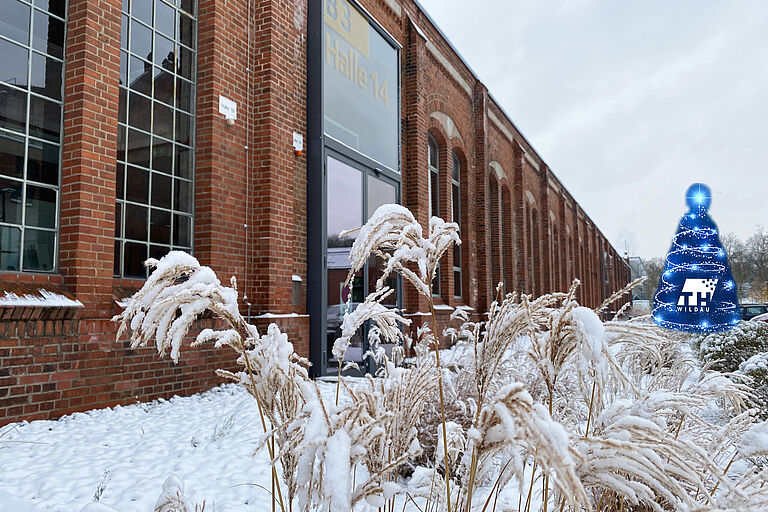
(434, 195)
(156, 139)
(32, 49)
(456, 214)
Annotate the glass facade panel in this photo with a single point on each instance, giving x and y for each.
(360, 84)
(157, 117)
(31, 93)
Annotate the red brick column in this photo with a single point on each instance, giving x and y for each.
(521, 261)
(415, 184)
(480, 266)
(86, 247)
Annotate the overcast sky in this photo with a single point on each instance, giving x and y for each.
(630, 102)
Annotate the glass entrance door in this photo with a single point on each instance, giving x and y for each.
(354, 192)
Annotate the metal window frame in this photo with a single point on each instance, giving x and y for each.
(120, 238)
(27, 138)
(319, 145)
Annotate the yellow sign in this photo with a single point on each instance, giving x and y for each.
(347, 21)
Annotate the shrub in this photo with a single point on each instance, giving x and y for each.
(726, 350)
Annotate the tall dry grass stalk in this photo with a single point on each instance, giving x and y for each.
(612, 415)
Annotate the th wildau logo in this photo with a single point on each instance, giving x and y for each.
(696, 295)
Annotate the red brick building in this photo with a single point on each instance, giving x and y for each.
(114, 146)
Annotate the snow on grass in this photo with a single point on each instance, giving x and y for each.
(205, 439)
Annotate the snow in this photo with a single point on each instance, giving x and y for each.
(205, 439)
(296, 278)
(44, 299)
(757, 362)
(280, 315)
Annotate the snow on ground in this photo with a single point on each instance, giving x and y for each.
(206, 439)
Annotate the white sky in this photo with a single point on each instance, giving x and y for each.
(630, 102)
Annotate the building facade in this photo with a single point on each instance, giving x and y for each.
(250, 133)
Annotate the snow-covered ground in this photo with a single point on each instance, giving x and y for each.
(205, 439)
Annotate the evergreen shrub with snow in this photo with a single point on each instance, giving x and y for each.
(543, 402)
(726, 350)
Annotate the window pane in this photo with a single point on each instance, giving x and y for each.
(119, 180)
(15, 60)
(10, 244)
(345, 202)
(456, 167)
(135, 222)
(44, 119)
(138, 148)
(161, 190)
(183, 162)
(46, 76)
(163, 121)
(432, 149)
(379, 193)
(52, 6)
(162, 155)
(124, 32)
(13, 108)
(118, 219)
(138, 185)
(434, 192)
(456, 205)
(48, 36)
(14, 22)
(188, 5)
(163, 53)
(140, 113)
(183, 129)
(186, 30)
(122, 105)
(43, 163)
(41, 207)
(142, 9)
(123, 72)
(134, 256)
(141, 39)
(182, 230)
(39, 248)
(186, 63)
(183, 196)
(118, 252)
(11, 155)
(140, 75)
(457, 283)
(184, 95)
(164, 81)
(164, 18)
(10, 201)
(160, 227)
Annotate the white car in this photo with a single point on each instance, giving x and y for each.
(760, 318)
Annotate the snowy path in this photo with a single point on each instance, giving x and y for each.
(57, 465)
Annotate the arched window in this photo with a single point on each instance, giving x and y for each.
(456, 215)
(434, 196)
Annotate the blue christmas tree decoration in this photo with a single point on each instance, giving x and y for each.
(696, 290)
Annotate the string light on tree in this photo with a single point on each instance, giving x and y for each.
(696, 290)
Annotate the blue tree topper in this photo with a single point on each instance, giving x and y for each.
(696, 290)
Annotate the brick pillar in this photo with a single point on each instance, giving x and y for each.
(521, 259)
(221, 162)
(415, 184)
(545, 261)
(86, 247)
(480, 259)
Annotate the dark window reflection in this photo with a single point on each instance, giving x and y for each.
(182, 233)
(46, 76)
(10, 201)
(48, 36)
(10, 246)
(134, 256)
(138, 189)
(15, 60)
(13, 108)
(11, 155)
(160, 227)
(43, 163)
(39, 248)
(135, 222)
(41, 207)
(161, 190)
(183, 196)
(56, 7)
(138, 148)
(44, 119)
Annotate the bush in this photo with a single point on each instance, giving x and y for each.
(726, 350)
